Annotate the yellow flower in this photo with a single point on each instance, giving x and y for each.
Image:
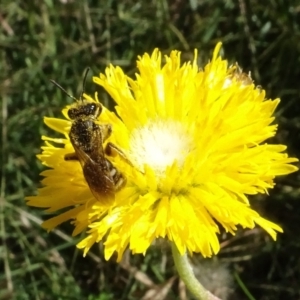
(195, 139)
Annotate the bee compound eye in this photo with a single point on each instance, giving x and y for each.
(94, 109)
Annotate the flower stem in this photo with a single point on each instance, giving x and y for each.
(188, 277)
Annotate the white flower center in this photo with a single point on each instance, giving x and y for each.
(158, 144)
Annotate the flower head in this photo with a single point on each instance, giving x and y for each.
(195, 140)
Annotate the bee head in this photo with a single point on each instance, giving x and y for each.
(87, 109)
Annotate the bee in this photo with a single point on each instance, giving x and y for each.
(242, 77)
(88, 138)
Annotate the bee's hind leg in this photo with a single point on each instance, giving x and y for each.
(112, 150)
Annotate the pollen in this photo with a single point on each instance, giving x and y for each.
(159, 144)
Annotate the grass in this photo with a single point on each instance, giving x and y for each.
(42, 40)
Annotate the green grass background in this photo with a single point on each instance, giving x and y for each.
(42, 40)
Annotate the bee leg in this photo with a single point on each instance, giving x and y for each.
(71, 156)
(120, 182)
(118, 178)
(113, 150)
(106, 130)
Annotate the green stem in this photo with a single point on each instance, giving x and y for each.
(188, 277)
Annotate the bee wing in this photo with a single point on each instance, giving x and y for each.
(99, 180)
(83, 157)
(96, 174)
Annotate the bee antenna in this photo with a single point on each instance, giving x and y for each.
(84, 81)
(61, 88)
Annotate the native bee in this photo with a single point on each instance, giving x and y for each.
(239, 75)
(87, 137)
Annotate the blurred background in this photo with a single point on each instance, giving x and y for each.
(43, 40)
